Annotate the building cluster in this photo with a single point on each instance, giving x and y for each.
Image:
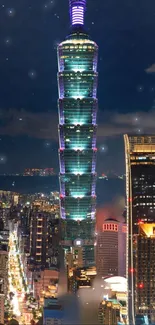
(4, 256)
(38, 242)
(34, 227)
(38, 172)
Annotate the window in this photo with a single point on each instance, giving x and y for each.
(110, 227)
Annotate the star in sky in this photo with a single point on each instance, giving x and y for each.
(10, 12)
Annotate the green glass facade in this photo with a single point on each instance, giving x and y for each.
(77, 105)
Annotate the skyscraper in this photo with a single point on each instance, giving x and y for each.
(145, 270)
(111, 248)
(77, 104)
(140, 190)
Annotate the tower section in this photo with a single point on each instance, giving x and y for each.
(77, 105)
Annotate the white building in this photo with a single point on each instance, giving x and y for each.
(111, 249)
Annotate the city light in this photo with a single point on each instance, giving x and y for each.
(15, 281)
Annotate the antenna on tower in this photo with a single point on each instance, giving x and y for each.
(77, 11)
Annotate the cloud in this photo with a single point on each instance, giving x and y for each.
(150, 69)
(113, 210)
(35, 125)
(45, 125)
(131, 123)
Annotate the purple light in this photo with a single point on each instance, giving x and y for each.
(77, 9)
(77, 15)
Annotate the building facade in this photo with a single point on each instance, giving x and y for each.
(52, 312)
(2, 300)
(39, 239)
(145, 270)
(110, 312)
(45, 285)
(111, 249)
(140, 192)
(4, 269)
(80, 278)
(77, 104)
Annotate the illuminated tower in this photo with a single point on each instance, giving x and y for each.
(140, 190)
(77, 104)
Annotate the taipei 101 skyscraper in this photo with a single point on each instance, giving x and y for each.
(77, 105)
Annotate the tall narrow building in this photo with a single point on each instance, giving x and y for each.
(77, 104)
(140, 190)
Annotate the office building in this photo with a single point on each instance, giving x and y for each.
(54, 242)
(110, 312)
(4, 238)
(77, 104)
(4, 268)
(141, 320)
(111, 249)
(52, 312)
(145, 269)
(2, 299)
(140, 191)
(113, 306)
(25, 217)
(39, 239)
(80, 278)
(45, 284)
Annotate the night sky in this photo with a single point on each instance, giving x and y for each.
(29, 33)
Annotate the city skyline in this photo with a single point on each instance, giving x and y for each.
(66, 257)
(126, 81)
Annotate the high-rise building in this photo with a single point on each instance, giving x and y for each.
(110, 312)
(39, 239)
(111, 249)
(77, 83)
(4, 268)
(54, 241)
(140, 191)
(145, 270)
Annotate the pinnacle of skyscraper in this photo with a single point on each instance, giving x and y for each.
(77, 10)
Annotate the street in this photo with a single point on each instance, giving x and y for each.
(16, 286)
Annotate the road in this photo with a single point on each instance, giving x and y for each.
(16, 284)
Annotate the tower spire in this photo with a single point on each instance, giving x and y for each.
(77, 10)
